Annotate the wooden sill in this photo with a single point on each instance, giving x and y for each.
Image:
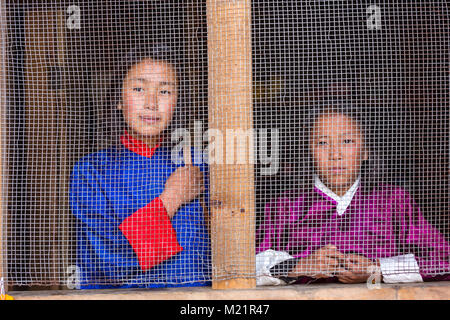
(414, 291)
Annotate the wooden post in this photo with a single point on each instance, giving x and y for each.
(2, 139)
(230, 111)
(46, 129)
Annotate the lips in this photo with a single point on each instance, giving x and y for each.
(337, 170)
(150, 119)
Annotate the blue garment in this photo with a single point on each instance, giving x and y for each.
(106, 188)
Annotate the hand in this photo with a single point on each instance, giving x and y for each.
(183, 186)
(357, 269)
(326, 260)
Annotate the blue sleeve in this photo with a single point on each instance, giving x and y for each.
(104, 256)
(103, 253)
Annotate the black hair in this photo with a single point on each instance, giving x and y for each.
(372, 172)
(160, 51)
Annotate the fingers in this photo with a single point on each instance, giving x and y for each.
(187, 182)
(354, 258)
(345, 277)
(358, 264)
(350, 277)
(331, 272)
(356, 272)
(196, 179)
(356, 269)
(328, 266)
(345, 280)
(191, 175)
(330, 263)
(332, 252)
(194, 172)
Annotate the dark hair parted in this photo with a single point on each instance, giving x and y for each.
(372, 172)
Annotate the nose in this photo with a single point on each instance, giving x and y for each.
(335, 152)
(151, 101)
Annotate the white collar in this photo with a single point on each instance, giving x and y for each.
(342, 202)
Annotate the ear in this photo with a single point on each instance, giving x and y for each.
(365, 155)
(119, 106)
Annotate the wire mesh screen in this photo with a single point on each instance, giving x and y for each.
(360, 93)
(82, 75)
(184, 143)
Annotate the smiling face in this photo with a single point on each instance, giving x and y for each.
(149, 98)
(337, 147)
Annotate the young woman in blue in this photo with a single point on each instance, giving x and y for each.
(139, 217)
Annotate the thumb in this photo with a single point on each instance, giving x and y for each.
(187, 155)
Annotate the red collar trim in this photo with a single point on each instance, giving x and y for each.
(137, 146)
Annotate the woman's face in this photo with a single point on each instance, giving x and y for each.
(149, 98)
(337, 147)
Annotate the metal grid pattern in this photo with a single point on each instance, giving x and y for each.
(150, 144)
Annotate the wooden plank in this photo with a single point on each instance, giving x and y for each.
(230, 110)
(3, 80)
(436, 290)
(46, 143)
(64, 222)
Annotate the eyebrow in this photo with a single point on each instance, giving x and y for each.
(341, 134)
(163, 83)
